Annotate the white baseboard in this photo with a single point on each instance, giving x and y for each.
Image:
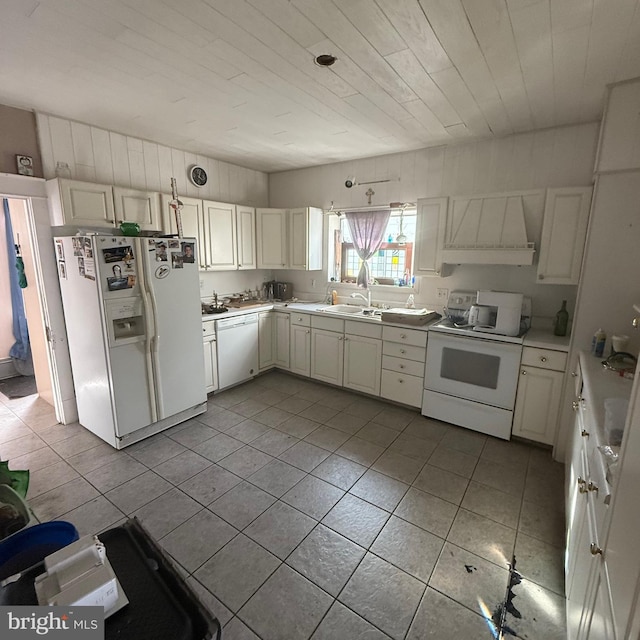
(7, 370)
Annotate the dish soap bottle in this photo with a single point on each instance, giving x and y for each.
(561, 321)
(597, 343)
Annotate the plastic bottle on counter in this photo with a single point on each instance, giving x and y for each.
(410, 304)
(334, 297)
(597, 343)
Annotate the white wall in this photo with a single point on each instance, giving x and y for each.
(107, 157)
(550, 158)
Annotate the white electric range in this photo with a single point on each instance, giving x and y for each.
(471, 376)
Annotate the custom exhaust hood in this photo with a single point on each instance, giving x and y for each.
(489, 229)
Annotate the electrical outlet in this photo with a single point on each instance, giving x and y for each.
(443, 294)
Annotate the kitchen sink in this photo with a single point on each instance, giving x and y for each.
(352, 310)
(345, 309)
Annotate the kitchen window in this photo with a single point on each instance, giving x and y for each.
(392, 264)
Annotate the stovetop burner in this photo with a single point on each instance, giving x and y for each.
(446, 325)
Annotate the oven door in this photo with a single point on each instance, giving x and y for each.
(474, 369)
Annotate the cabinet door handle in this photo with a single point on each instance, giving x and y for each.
(575, 405)
(307, 331)
(635, 323)
(540, 277)
(584, 433)
(402, 366)
(340, 338)
(400, 380)
(523, 372)
(592, 487)
(595, 550)
(403, 336)
(574, 374)
(543, 359)
(402, 351)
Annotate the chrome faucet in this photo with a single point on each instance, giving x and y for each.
(366, 298)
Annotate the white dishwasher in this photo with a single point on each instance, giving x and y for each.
(237, 349)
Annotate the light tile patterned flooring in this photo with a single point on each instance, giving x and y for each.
(297, 510)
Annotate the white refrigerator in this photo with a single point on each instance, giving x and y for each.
(134, 326)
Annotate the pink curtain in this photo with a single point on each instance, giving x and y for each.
(367, 231)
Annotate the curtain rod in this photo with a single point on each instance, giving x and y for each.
(381, 207)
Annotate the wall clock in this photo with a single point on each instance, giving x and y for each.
(198, 175)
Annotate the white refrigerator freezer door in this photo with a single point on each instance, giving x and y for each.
(173, 289)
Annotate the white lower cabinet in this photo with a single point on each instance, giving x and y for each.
(587, 586)
(266, 343)
(281, 340)
(346, 353)
(210, 355)
(404, 353)
(362, 362)
(327, 353)
(539, 394)
(300, 344)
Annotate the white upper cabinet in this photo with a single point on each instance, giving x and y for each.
(289, 238)
(192, 222)
(73, 202)
(246, 230)
(431, 222)
(142, 207)
(620, 137)
(226, 232)
(564, 231)
(271, 225)
(305, 238)
(220, 236)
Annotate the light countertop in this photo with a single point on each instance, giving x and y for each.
(544, 339)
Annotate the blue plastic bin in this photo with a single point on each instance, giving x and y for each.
(33, 544)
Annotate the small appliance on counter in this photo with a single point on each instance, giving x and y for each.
(275, 290)
(495, 312)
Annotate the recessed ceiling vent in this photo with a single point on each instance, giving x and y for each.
(325, 60)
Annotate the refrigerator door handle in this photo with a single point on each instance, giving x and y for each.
(155, 347)
(149, 331)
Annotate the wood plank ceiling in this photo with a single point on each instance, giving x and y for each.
(236, 79)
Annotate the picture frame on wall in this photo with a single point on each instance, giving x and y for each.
(25, 165)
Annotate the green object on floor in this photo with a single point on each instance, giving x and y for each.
(17, 480)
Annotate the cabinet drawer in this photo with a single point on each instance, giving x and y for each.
(405, 336)
(364, 329)
(302, 319)
(209, 328)
(544, 358)
(401, 365)
(401, 388)
(328, 324)
(407, 352)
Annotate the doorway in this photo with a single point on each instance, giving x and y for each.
(31, 361)
(43, 304)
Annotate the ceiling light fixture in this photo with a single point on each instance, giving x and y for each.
(325, 60)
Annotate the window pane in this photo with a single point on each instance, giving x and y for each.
(391, 261)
